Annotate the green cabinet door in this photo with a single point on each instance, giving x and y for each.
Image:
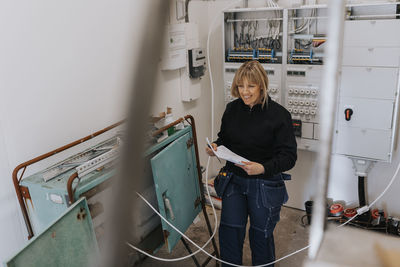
(69, 241)
(177, 186)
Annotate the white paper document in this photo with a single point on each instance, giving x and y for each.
(224, 153)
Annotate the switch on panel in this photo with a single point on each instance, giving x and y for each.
(297, 127)
(348, 112)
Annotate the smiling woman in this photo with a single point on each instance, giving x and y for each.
(260, 130)
(251, 84)
(249, 92)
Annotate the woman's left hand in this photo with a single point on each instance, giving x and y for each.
(252, 168)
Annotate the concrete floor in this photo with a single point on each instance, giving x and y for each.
(290, 235)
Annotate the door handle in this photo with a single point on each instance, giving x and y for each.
(168, 206)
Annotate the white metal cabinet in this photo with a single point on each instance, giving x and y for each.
(369, 88)
(371, 56)
(372, 33)
(368, 82)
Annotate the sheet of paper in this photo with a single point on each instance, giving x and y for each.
(224, 153)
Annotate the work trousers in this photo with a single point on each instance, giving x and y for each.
(261, 200)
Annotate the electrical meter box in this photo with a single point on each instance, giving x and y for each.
(197, 62)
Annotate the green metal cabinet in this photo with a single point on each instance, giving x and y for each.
(64, 236)
(177, 185)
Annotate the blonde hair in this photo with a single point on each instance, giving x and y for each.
(253, 72)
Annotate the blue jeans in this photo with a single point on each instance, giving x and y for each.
(261, 200)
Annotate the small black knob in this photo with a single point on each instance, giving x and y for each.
(347, 113)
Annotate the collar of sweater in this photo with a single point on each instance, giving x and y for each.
(256, 107)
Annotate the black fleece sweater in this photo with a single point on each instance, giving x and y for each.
(263, 135)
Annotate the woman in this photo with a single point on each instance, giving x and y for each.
(260, 130)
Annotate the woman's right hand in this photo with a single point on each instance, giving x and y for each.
(209, 151)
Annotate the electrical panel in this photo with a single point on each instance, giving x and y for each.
(174, 48)
(296, 40)
(369, 87)
(253, 34)
(306, 37)
(289, 44)
(302, 101)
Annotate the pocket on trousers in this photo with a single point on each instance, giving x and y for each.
(221, 182)
(275, 214)
(273, 194)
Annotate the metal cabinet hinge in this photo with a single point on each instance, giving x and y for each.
(189, 143)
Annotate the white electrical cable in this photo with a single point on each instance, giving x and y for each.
(205, 252)
(193, 253)
(359, 212)
(211, 78)
(209, 68)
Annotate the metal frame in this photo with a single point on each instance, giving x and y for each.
(23, 192)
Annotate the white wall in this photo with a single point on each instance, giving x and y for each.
(65, 71)
(168, 87)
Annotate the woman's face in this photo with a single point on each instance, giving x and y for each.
(249, 92)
